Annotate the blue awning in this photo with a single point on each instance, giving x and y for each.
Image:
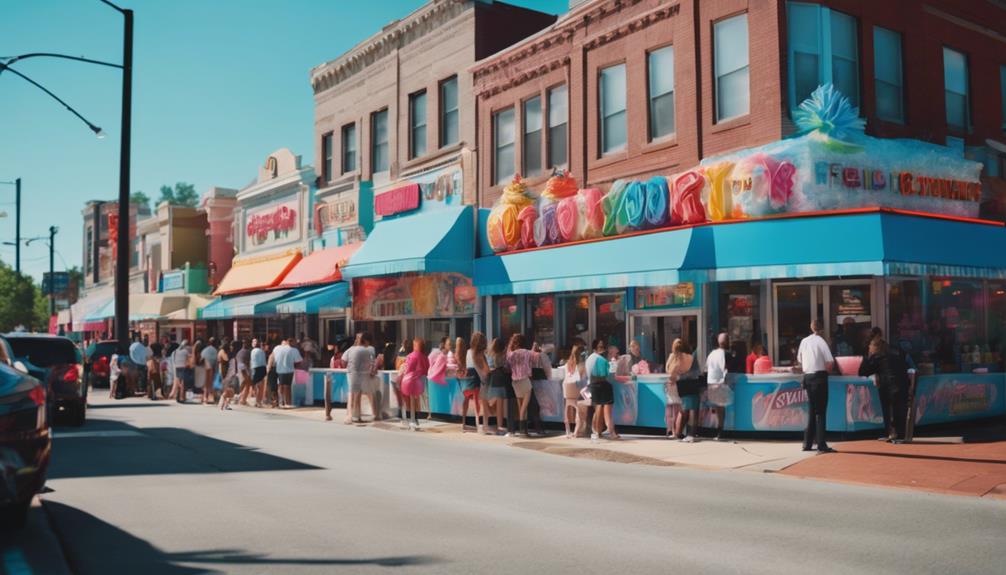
(440, 240)
(315, 300)
(864, 243)
(262, 303)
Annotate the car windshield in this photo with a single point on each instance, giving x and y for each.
(44, 352)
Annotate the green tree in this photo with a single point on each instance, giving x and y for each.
(139, 197)
(18, 302)
(182, 194)
(41, 322)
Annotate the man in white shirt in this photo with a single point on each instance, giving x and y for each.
(718, 394)
(816, 361)
(139, 353)
(285, 357)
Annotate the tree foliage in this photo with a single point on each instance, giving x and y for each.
(19, 304)
(139, 197)
(182, 194)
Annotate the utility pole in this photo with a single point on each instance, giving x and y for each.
(122, 243)
(17, 226)
(52, 275)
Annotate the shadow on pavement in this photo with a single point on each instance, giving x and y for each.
(130, 405)
(105, 448)
(84, 534)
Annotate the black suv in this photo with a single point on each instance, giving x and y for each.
(55, 361)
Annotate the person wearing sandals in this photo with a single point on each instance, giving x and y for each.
(469, 379)
(571, 391)
(478, 373)
(521, 361)
(679, 362)
(602, 394)
(500, 384)
(359, 359)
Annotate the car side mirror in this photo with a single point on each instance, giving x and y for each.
(18, 365)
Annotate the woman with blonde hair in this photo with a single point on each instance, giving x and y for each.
(575, 373)
(679, 362)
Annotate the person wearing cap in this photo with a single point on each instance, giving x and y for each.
(816, 361)
(718, 395)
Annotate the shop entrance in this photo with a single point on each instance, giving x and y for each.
(656, 332)
(845, 307)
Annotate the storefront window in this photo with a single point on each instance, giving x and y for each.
(739, 306)
(992, 354)
(507, 316)
(907, 325)
(574, 320)
(656, 335)
(541, 312)
(610, 310)
(793, 309)
(955, 315)
(850, 318)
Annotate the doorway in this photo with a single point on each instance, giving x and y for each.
(846, 309)
(656, 332)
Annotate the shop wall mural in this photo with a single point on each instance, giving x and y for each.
(829, 165)
(427, 295)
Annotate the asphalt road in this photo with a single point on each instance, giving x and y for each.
(152, 488)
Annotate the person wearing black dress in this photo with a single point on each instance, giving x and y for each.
(892, 385)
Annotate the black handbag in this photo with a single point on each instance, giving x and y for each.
(692, 384)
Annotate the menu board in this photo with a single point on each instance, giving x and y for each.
(679, 295)
(853, 303)
(740, 317)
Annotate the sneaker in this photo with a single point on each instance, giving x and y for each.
(719, 437)
(508, 434)
(688, 439)
(594, 436)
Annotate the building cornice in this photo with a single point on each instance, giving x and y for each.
(394, 36)
(535, 50)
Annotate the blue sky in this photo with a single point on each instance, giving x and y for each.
(218, 84)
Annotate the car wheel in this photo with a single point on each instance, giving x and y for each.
(15, 515)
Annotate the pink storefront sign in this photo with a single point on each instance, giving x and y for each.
(396, 201)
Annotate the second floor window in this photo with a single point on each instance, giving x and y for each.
(449, 117)
(503, 146)
(955, 87)
(417, 124)
(531, 153)
(349, 148)
(730, 63)
(326, 157)
(887, 75)
(558, 120)
(660, 69)
(613, 117)
(823, 49)
(379, 141)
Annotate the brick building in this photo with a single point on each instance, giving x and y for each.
(635, 87)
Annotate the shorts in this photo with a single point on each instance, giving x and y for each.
(258, 374)
(689, 402)
(671, 393)
(522, 388)
(187, 376)
(570, 390)
(285, 378)
(493, 393)
(472, 393)
(358, 382)
(601, 391)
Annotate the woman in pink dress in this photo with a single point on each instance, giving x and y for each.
(414, 380)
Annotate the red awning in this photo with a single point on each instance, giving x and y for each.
(322, 266)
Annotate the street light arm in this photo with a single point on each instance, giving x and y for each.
(97, 131)
(13, 59)
(120, 10)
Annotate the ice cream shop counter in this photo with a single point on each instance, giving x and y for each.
(763, 403)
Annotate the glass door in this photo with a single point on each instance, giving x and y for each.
(657, 332)
(794, 305)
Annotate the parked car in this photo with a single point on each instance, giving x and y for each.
(25, 439)
(57, 362)
(96, 361)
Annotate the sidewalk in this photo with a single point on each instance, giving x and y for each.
(759, 456)
(972, 466)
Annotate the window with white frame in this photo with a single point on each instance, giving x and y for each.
(823, 49)
(326, 157)
(887, 75)
(449, 127)
(955, 88)
(730, 63)
(417, 124)
(531, 152)
(613, 109)
(379, 141)
(660, 73)
(503, 146)
(558, 120)
(348, 148)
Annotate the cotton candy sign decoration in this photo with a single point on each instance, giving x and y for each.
(504, 228)
(567, 217)
(560, 186)
(593, 212)
(527, 218)
(686, 200)
(610, 205)
(720, 200)
(656, 214)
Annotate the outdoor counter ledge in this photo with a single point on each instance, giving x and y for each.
(764, 403)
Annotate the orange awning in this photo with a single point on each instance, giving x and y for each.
(258, 272)
(322, 266)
